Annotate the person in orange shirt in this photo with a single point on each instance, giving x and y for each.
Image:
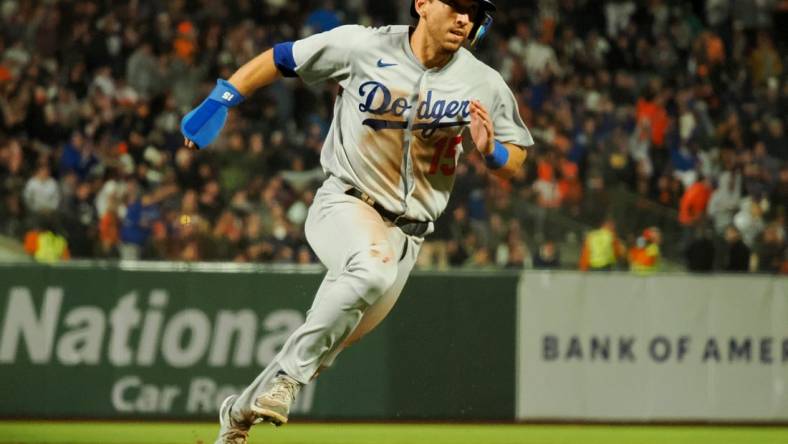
(715, 48)
(694, 202)
(185, 43)
(108, 233)
(651, 109)
(644, 256)
(570, 189)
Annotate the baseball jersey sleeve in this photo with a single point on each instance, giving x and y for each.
(327, 55)
(507, 123)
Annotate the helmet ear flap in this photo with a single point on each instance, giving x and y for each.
(483, 23)
(480, 30)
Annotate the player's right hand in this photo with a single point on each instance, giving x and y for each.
(482, 131)
(201, 126)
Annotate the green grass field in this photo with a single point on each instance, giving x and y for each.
(143, 433)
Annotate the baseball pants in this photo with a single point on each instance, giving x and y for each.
(368, 261)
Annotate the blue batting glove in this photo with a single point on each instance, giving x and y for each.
(204, 123)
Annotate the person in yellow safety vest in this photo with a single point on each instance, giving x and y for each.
(644, 256)
(601, 248)
(46, 246)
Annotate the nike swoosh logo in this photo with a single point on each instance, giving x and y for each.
(381, 64)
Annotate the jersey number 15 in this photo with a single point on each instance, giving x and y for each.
(445, 149)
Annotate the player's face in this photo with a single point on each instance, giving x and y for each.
(449, 22)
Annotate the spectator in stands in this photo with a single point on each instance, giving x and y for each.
(570, 190)
(765, 61)
(41, 194)
(776, 139)
(12, 216)
(771, 248)
(142, 211)
(99, 93)
(459, 229)
(13, 169)
(749, 219)
(725, 200)
(668, 192)
(228, 239)
(143, 71)
(77, 157)
(517, 258)
(80, 221)
(109, 230)
(644, 256)
(324, 18)
(694, 201)
(602, 248)
(547, 256)
(540, 59)
(737, 253)
(651, 115)
(779, 195)
(700, 252)
(481, 257)
(548, 196)
(769, 166)
(46, 244)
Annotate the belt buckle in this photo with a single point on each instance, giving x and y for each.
(367, 199)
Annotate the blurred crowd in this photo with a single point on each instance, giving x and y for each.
(680, 107)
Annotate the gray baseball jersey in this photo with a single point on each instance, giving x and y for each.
(398, 126)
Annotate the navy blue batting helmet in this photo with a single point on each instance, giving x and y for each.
(481, 23)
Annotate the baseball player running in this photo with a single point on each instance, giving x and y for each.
(412, 101)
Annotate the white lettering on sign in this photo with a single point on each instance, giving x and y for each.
(139, 335)
(241, 324)
(131, 395)
(192, 324)
(124, 318)
(22, 323)
(82, 344)
(151, 328)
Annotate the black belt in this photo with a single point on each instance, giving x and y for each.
(408, 226)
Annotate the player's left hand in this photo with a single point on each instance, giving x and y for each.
(481, 128)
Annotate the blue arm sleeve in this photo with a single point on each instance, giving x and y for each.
(284, 60)
(204, 123)
(498, 158)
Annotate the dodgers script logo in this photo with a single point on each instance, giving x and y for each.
(376, 92)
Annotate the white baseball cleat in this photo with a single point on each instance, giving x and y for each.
(274, 405)
(231, 431)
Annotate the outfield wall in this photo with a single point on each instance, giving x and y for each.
(667, 348)
(109, 342)
(169, 341)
